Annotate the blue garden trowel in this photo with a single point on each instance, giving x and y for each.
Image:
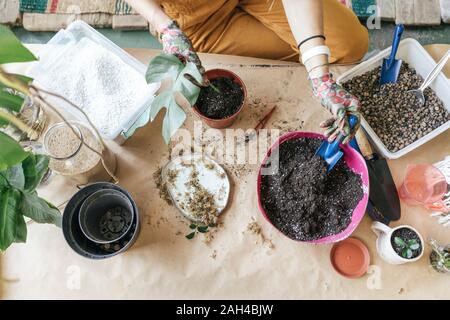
(391, 66)
(330, 152)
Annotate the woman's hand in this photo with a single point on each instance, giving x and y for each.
(340, 103)
(175, 42)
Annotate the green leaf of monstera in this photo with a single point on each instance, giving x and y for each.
(11, 49)
(173, 120)
(168, 66)
(21, 229)
(162, 67)
(34, 169)
(10, 101)
(186, 87)
(11, 152)
(39, 210)
(9, 203)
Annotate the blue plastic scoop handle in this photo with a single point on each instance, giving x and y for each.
(330, 152)
(395, 43)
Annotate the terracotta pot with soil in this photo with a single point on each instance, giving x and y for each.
(219, 105)
(398, 245)
(302, 200)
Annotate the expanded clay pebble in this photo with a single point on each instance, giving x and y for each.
(395, 114)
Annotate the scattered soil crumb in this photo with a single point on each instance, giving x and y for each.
(162, 187)
(172, 176)
(201, 203)
(254, 228)
(401, 290)
(179, 233)
(209, 236)
(213, 255)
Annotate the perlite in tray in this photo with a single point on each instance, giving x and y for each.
(99, 82)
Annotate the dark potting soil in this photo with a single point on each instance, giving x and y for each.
(406, 235)
(215, 105)
(395, 114)
(304, 201)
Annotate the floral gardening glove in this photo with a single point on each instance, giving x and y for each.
(340, 103)
(175, 42)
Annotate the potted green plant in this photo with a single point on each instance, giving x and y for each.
(185, 79)
(440, 257)
(21, 171)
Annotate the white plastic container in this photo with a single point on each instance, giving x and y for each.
(67, 38)
(411, 52)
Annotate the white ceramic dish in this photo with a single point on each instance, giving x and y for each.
(211, 176)
(411, 52)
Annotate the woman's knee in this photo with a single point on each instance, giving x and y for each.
(354, 46)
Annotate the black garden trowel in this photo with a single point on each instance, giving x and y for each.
(384, 203)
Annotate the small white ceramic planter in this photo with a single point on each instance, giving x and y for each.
(384, 246)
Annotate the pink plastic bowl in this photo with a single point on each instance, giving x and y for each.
(355, 162)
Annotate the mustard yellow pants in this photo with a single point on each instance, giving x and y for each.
(259, 28)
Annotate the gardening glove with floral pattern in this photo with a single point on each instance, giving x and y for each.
(175, 42)
(340, 103)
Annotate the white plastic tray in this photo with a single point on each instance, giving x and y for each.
(417, 57)
(63, 40)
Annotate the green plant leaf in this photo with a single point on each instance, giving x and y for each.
(162, 67)
(15, 177)
(173, 120)
(161, 101)
(39, 210)
(409, 253)
(202, 229)
(34, 169)
(414, 246)
(9, 201)
(11, 49)
(193, 226)
(10, 101)
(21, 229)
(24, 79)
(186, 87)
(11, 152)
(398, 241)
(190, 235)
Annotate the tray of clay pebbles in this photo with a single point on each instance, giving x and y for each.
(304, 201)
(393, 117)
(198, 186)
(100, 221)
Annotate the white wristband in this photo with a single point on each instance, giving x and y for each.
(315, 51)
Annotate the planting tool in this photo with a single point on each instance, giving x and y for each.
(354, 161)
(384, 203)
(261, 124)
(330, 152)
(391, 67)
(430, 78)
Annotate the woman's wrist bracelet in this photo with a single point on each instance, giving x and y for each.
(310, 38)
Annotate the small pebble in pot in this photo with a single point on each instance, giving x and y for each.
(395, 114)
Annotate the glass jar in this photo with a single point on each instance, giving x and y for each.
(69, 155)
(32, 115)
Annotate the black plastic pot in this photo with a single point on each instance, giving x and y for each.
(106, 216)
(77, 239)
